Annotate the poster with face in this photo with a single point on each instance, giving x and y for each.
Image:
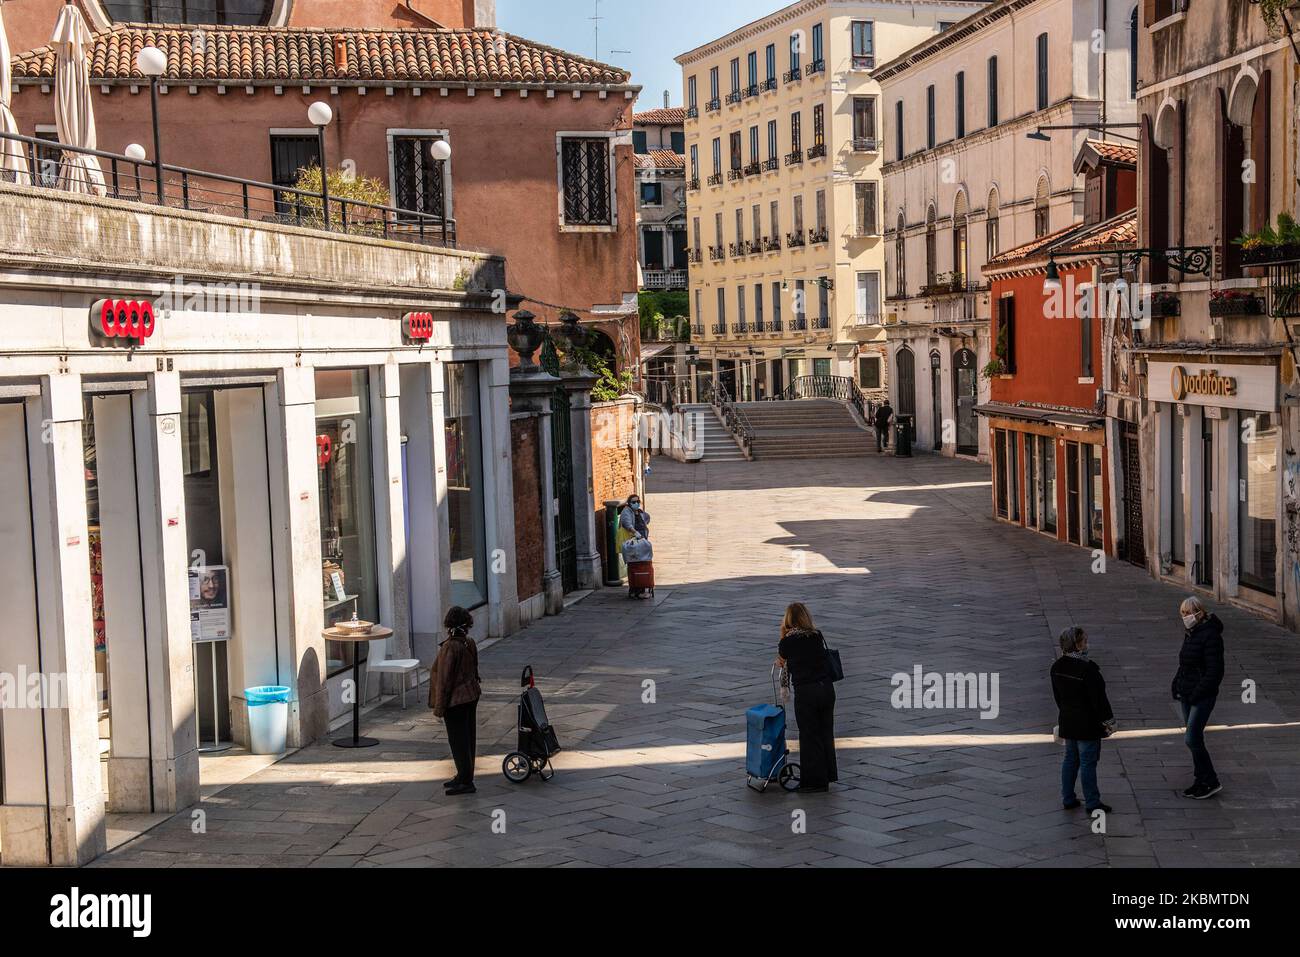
(209, 603)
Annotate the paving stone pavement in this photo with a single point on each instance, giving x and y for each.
(902, 566)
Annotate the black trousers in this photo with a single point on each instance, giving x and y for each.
(814, 710)
(462, 728)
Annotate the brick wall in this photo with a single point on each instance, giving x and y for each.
(530, 562)
(613, 457)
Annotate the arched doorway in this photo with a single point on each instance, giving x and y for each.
(906, 368)
(965, 395)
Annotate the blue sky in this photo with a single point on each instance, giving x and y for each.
(654, 33)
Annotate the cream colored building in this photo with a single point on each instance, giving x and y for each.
(784, 133)
(967, 173)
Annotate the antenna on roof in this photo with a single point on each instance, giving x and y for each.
(596, 21)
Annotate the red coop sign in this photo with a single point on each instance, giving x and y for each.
(417, 327)
(125, 321)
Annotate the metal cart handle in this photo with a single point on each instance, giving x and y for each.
(526, 679)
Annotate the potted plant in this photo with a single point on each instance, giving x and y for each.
(1235, 302)
(1165, 305)
(1272, 244)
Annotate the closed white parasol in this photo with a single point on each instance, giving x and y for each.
(13, 161)
(73, 113)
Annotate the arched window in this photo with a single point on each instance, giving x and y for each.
(198, 12)
(992, 226)
(960, 240)
(1042, 214)
(931, 267)
(1133, 54)
(900, 257)
(905, 372)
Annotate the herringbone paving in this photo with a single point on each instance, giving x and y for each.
(902, 566)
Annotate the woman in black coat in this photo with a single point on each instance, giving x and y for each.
(1196, 688)
(802, 652)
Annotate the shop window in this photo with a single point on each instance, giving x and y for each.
(1032, 491)
(1257, 485)
(1047, 455)
(1013, 476)
(1093, 504)
(1000, 452)
(1073, 494)
(1177, 503)
(347, 507)
(465, 485)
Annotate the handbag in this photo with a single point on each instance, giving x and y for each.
(833, 661)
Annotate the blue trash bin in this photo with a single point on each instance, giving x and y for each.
(268, 718)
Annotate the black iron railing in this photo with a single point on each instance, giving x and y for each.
(837, 387)
(216, 193)
(715, 393)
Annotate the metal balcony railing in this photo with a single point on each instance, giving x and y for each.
(222, 195)
(817, 151)
(865, 144)
(715, 179)
(819, 235)
(717, 254)
(692, 112)
(771, 165)
(794, 240)
(815, 67)
(793, 76)
(713, 106)
(794, 158)
(734, 97)
(735, 174)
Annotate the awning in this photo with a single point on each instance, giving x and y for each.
(658, 349)
(1069, 420)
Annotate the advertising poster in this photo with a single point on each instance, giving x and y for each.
(209, 603)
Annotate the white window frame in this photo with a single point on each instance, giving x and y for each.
(447, 204)
(612, 138)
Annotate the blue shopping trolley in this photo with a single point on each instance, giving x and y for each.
(766, 756)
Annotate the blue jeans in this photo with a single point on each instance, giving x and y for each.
(1081, 756)
(1196, 717)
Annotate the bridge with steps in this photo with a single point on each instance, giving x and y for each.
(795, 429)
(806, 428)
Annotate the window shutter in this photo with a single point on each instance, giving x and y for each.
(1009, 323)
(1261, 151)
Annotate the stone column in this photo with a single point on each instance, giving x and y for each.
(295, 499)
(390, 508)
(55, 815)
(532, 392)
(578, 383)
(499, 498)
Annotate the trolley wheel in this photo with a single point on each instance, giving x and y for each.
(516, 767)
(789, 777)
(544, 770)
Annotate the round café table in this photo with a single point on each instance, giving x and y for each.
(374, 634)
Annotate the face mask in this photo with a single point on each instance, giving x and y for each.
(1189, 621)
(634, 504)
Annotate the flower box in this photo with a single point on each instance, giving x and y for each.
(1268, 255)
(1245, 304)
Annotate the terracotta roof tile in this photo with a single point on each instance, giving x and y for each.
(1075, 240)
(672, 116)
(661, 159)
(1117, 152)
(243, 53)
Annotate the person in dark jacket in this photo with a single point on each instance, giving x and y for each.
(454, 690)
(1196, 689)
(1085, 717)
(802, 652)
(883, 416)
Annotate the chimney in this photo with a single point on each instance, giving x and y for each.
(485, 14)
(340, 56)
(667, 100)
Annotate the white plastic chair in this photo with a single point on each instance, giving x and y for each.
(379, 663)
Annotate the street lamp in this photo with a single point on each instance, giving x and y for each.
(1052, 284)
(440, 150)
(152, 62)
(319, 115)
(135, 153)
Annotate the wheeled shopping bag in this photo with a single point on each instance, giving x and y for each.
(766, 756)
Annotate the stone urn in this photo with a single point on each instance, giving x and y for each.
(524, 336)
(572, 336)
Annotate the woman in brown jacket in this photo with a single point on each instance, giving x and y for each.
(453, 694)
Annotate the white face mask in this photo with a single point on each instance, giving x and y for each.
(1190, 621)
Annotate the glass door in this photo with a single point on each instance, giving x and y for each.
(1205, 559)
(965, 397)
(936, 399)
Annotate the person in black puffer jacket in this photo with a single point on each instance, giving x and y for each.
(1196, 688)
(1085, 718)
(802, 652)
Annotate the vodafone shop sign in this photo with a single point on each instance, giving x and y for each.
(1226, 385)
(122, 322)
